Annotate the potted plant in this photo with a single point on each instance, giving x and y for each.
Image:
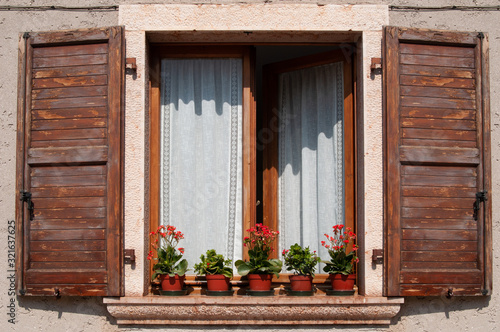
(170, 266)
(341, 263)
(259, 268)
(217, 270)
(303, 263)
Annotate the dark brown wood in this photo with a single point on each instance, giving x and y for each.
(435, 156)
(72, 161)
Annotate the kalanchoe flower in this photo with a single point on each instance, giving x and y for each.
(259, 244)
(169, 261)
(340, 261)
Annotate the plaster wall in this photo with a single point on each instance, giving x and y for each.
(89, 314)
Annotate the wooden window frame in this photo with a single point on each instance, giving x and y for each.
(191, 50)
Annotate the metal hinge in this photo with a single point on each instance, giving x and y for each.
(129, 256)
(378, 256)
(26, 197)
(481, 197)
(376, 64)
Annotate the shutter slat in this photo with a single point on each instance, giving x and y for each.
(433, 92)
(71, 241)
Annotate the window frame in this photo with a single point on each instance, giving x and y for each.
(250, 125)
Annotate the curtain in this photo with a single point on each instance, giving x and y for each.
(311, 186)
(201, 146)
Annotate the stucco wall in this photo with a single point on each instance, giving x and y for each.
(89, 314)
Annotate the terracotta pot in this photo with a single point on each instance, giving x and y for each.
(217, 282)
(260, 282)
(301, 283)
(168, 283)
(342, 282)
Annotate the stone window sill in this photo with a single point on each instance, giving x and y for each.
(248, 310)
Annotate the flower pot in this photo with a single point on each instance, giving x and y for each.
(217, 282)
(301, 283)
(175, 283)
(260, 282)
(342, 282)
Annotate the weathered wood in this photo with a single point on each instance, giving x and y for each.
(435, 290)
(73, 162)
(444, 61)
(439, 234)
(71, 72)
(439, 265)
(439, 143)
(91, 133)
(436, 181)
(439, 224)
(438, 92)
(68, 143)
(72, 81)
(77, 213)
(445, 202)
(69, 124)
(69, 92)
(440, 256)
(82, 101)
(67, 256)
(67, 235)
(68, 50)
(437, 50)
(435, 134)
(436, 72)
(91, 265)
(48, 203)
(439, 170)
(65, 61)
(46, 224)
(436, 277)
(439, 155)
(444, 124)
(54, 246)
(436, 81)
(438, 245)
(68, 191)
(411, 101)
(63, 277)
(68, 170)
(67, 155)
(437, 213)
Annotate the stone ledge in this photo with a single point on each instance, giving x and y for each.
(245, 310)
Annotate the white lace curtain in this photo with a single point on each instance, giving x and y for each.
(201, 154)
(311, 155)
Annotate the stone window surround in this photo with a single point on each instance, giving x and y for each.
(252, 23)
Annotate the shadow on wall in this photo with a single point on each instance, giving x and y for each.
(85, 305)
(414, 306)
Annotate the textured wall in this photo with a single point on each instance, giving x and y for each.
(88, 314)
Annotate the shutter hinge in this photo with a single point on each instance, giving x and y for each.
(26, 35)
(480, 35)
(129, 256)
(377, 256)
(376, 64)
(480, 198)
(131, 64)
(26, 197)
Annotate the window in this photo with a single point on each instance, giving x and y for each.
(201, 125)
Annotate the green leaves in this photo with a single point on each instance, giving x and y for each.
(340, 263)
(259, 266)
(214, 263)
(301, 260)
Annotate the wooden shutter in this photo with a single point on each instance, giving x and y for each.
(69, 160)
(437, 158)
